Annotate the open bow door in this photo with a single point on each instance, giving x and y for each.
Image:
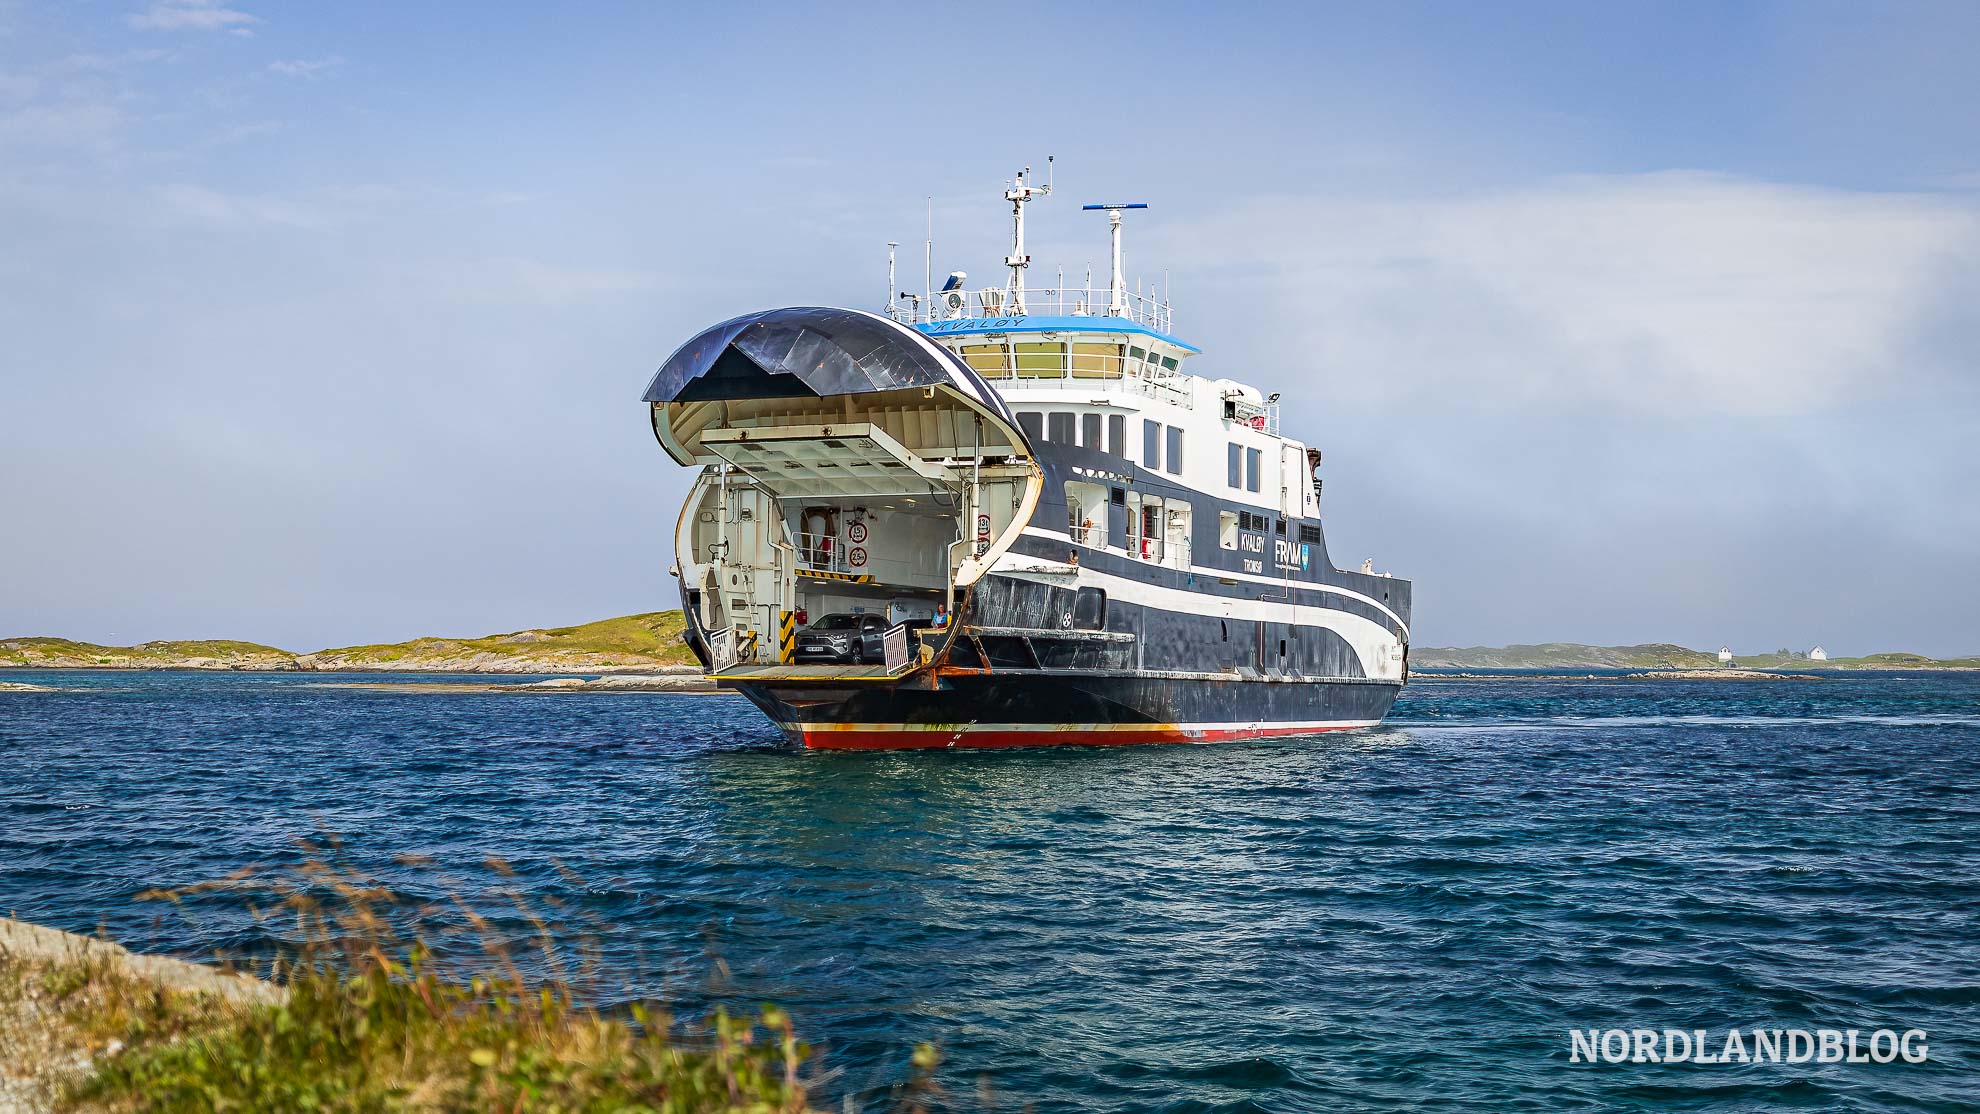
(849, 465)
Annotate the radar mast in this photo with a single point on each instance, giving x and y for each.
(1018, 194)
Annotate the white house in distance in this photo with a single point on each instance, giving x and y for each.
(1818, 654)
(1725, 655)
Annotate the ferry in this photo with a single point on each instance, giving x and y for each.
(1010, 517)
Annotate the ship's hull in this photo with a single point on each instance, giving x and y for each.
(1052, 709)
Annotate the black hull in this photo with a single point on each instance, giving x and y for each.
(1044, 709)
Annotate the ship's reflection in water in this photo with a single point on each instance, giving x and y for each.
(1407, 917)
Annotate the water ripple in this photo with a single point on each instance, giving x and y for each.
(1405, 918)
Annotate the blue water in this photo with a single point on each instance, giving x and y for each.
(1406, 918)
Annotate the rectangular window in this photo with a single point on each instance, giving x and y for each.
(1227, 528)
(1234, 465)
(1089, 430)
(1252, 460)
(1279, 527)
(1059, 428)
(1175, 450)
(1151, 444)
(1309, 533)
(1033, 425)
(1039, 360)
(1169, 363)
(1135, 356)
(987, 359)
(1096, 361)
(1117, 434)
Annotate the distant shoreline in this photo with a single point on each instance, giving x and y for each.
(652, 644)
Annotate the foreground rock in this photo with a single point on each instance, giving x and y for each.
(42, 1046)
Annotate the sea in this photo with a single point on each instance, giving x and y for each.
(1413, 917)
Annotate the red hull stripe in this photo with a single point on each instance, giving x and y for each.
(875, 736)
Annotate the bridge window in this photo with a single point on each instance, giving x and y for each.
(1039, 360)
(1089, 430)
(1059, 428)
(1096, 361)
(1175, 450)
(1169, 363)
(1135, 356)
(987, 359)
(1117, 434)
(1033, 424)
(1151, 444)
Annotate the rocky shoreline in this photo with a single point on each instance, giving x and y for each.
(41, 1047)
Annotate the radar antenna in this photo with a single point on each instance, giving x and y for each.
(1020, 192)
(1116, 287)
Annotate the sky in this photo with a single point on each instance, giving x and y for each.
(326, 324)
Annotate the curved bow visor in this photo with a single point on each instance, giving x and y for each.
(811, 351)
(820, 408)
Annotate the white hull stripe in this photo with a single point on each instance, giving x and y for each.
(1377, 647)
(1253, 578)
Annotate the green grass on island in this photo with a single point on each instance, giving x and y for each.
(650, 639)
(629, 642)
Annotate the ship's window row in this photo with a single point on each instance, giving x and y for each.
(1149, 527)
(1058, 428)
(1243, 464)
(1031, 359)
(1154, 438)
(1157, 528)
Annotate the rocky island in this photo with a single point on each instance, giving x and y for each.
(646, 643)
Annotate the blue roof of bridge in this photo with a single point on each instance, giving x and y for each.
(1031, 323)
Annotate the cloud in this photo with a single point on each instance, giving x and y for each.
(305, 67)
(192, 15)
(1672, 293)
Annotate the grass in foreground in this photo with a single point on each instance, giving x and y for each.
(367, 1021)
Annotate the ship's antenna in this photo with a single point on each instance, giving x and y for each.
(1116, 284)
(891, 245)
(1019, 193)
(928, 260)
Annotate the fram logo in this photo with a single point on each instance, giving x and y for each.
(1291, 555)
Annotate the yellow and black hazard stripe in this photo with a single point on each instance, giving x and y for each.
(852, 577)
(786, 635)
